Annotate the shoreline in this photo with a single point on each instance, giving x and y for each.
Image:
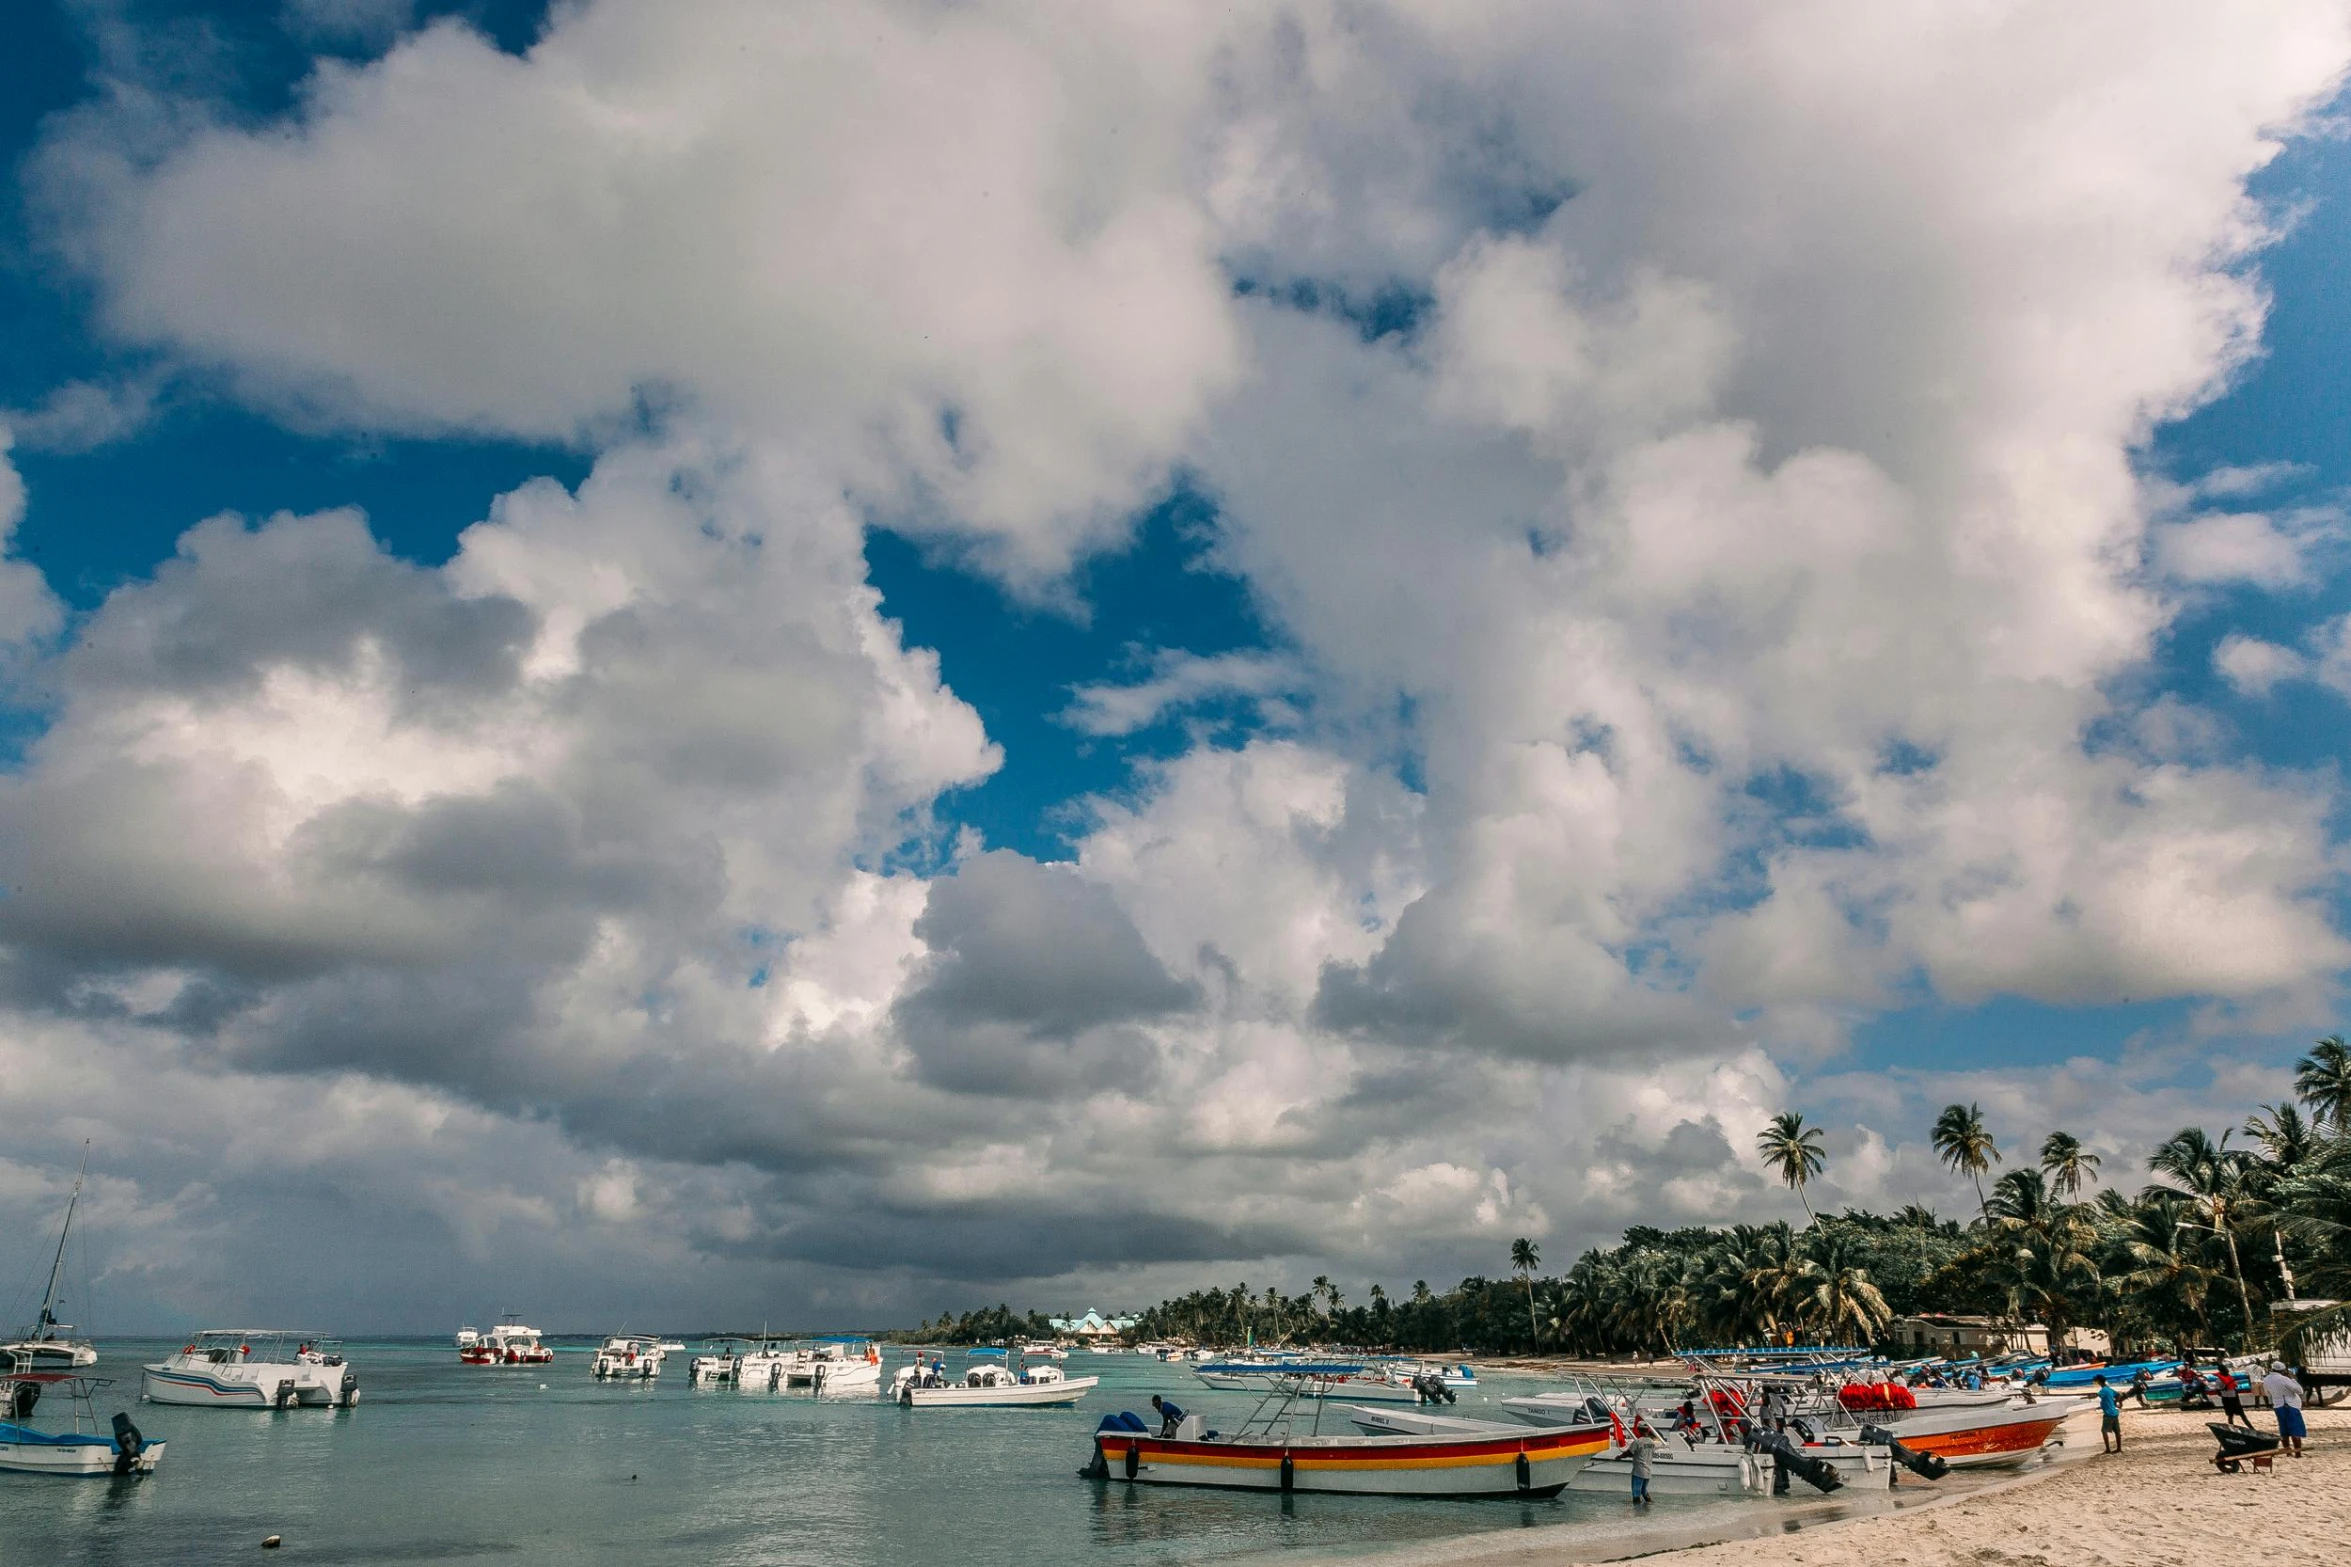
(2160, 1503)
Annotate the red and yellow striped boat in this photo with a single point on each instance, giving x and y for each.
(1539, 1463)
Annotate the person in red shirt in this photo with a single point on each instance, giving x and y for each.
(2232, 1397)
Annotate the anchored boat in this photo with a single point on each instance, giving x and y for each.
(83, 1450)
(510, 1343)
(990, 1382)
(253, 1368)
(50, 1344)
(629, 1357)
(1268, 1453)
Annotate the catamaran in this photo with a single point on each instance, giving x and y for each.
(50, 1344)
(253, 1368)
(83, 1450)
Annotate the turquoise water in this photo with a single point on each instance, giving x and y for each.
(443, 1462)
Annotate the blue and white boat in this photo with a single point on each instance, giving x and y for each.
(83, 1450)
(253, 1368)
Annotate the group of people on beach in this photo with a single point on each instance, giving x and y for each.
(2277, 1384)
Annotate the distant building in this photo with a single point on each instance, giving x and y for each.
(1948, 1333)
(1092, 1325)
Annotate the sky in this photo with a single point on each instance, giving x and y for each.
(711, 662)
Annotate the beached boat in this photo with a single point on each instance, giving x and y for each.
(1980, 1437)
(1268, 1452)
(50, 1345)
(510, 1343)
(253, 1368)
(1703, 1440)
(629, 1357)
(987, 1384)
(82, 1450)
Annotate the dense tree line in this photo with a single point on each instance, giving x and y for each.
(2195, 1257)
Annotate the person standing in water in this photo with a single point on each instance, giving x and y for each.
(1642, 1450)
(2109, 1419)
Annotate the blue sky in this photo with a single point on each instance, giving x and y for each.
(1271, 533)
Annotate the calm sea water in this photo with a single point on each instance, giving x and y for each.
(443, 1462)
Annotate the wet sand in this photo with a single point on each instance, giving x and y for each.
(2160, 1504)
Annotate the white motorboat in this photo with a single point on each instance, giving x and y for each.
(1341, 1379)
(987, 1384)
(765, 1360)
(50, 1345)
(719, 1365)
(468, 1337)
(629, 1357)
(833, 1368)
(82, 1450)
(1460, 1377)
(1703, 1452)
(510, 1343)
(253, 1368)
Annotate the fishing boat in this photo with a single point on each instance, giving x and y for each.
(82, 1450)
(50, 1345)
(253, 1368)
(629, 1357)
(510, 1343)
(2002, 1436)
(1704, 1441)
(989, 1382)
(1457, 1378)
(1268, 1452)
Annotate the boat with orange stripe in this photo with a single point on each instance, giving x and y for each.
(1530, 1464)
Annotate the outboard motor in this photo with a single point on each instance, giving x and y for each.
(128, 1444)
(1788, 1458)
(1927, 1466)
(350, 1392)
(22, 1400)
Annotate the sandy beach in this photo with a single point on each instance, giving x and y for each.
(2160, 1502)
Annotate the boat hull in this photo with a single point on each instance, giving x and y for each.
(1984, 1438)
(49, 1354)
(248, 1386)
(24, 1451)
(1534, 1465)
(1038, 1395)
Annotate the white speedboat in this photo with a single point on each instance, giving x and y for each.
(987, 1384)
(765, 1362)
(50, 1345)
(253, 1368)
(1702, 1455)
(629, 1357)
(510, 1343)
(82, 1450)
(468, 1337)
(833, 1368)
(719, 1365)
(1340, 1379)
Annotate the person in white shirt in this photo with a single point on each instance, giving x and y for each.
(2285, 1401)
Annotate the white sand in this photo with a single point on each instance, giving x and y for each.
(2160, 1502)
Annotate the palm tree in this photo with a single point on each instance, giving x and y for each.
(2213, 1175)
(2168, 1283)
(2040, 1255)
(2285, 1138)
(1794, 1150)
(1840, 1294)
(2068, 1164)
(2322, 1080)
(1961, 1138)
(1526, 1259)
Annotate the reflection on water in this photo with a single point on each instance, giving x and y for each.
(444, 1462)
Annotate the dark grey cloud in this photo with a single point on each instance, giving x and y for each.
(1035, 976)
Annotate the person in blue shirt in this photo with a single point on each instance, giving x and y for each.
(2109, 1419)
(1169, 1415)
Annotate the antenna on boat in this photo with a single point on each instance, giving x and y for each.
(49, 1295)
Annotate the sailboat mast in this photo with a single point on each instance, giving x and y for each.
(49, 1295)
